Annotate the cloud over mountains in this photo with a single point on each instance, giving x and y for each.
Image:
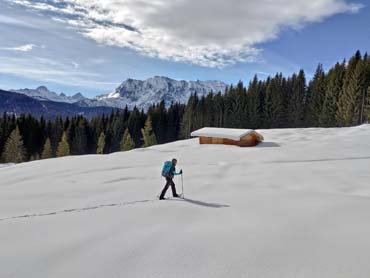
(210, 33)
(22, 48)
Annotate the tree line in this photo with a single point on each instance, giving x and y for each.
(27, 138)
(336, 98)
(339, 97)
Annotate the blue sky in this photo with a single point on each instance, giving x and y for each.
(92, 46)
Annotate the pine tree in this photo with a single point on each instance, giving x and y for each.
(297, 95)
(333, 90)
(148, 134)
(63, 147)
(367, 106)
(364, 91)
(173, 124)
(127, 143)
(236, 107)
(219, 110)
(256, 101)
(14, 150)
(159, 119)
(268, 105)
(277, 111)
(79, 140)
(117, 128)
(56, 133)
(315, 97)
(189, 119)
(101, 144)
(353, 98)
(47, 152)
(347, 101)
(134, 124)
(232, 108)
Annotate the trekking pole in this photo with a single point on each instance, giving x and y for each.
(182, 185)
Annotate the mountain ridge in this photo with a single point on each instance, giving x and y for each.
(134, 93)
(143, 93)
(16, 104)
(43, 93)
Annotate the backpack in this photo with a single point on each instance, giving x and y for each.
(166, 168)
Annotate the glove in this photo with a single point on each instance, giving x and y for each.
(181, 172)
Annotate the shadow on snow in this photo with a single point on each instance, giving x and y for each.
(267, 145)
(201, 203)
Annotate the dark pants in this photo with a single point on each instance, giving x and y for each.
(169, 182)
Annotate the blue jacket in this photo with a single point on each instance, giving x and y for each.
(172, 172)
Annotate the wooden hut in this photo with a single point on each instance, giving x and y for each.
(228, 136)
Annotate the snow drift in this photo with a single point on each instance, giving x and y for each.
(297, 205)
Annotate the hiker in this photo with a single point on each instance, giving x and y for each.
(169, 174)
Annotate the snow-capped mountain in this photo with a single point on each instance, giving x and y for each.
(43, 93)
(139, 93)
(143, 93)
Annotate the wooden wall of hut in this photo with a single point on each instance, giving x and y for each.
(249, 140)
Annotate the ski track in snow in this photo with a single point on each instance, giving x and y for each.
(75, 210)
(195, 202)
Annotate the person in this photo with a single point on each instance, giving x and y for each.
(169, 181)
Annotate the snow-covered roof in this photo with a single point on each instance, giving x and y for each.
(227, 133)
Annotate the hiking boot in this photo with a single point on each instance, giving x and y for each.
(176, 196)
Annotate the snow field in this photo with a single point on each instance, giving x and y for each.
(295, 206)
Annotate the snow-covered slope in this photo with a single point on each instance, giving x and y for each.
(295, 206)
(153, 90)
(43, 93)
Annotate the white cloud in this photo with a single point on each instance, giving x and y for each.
(21, 48)
(212, 33)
